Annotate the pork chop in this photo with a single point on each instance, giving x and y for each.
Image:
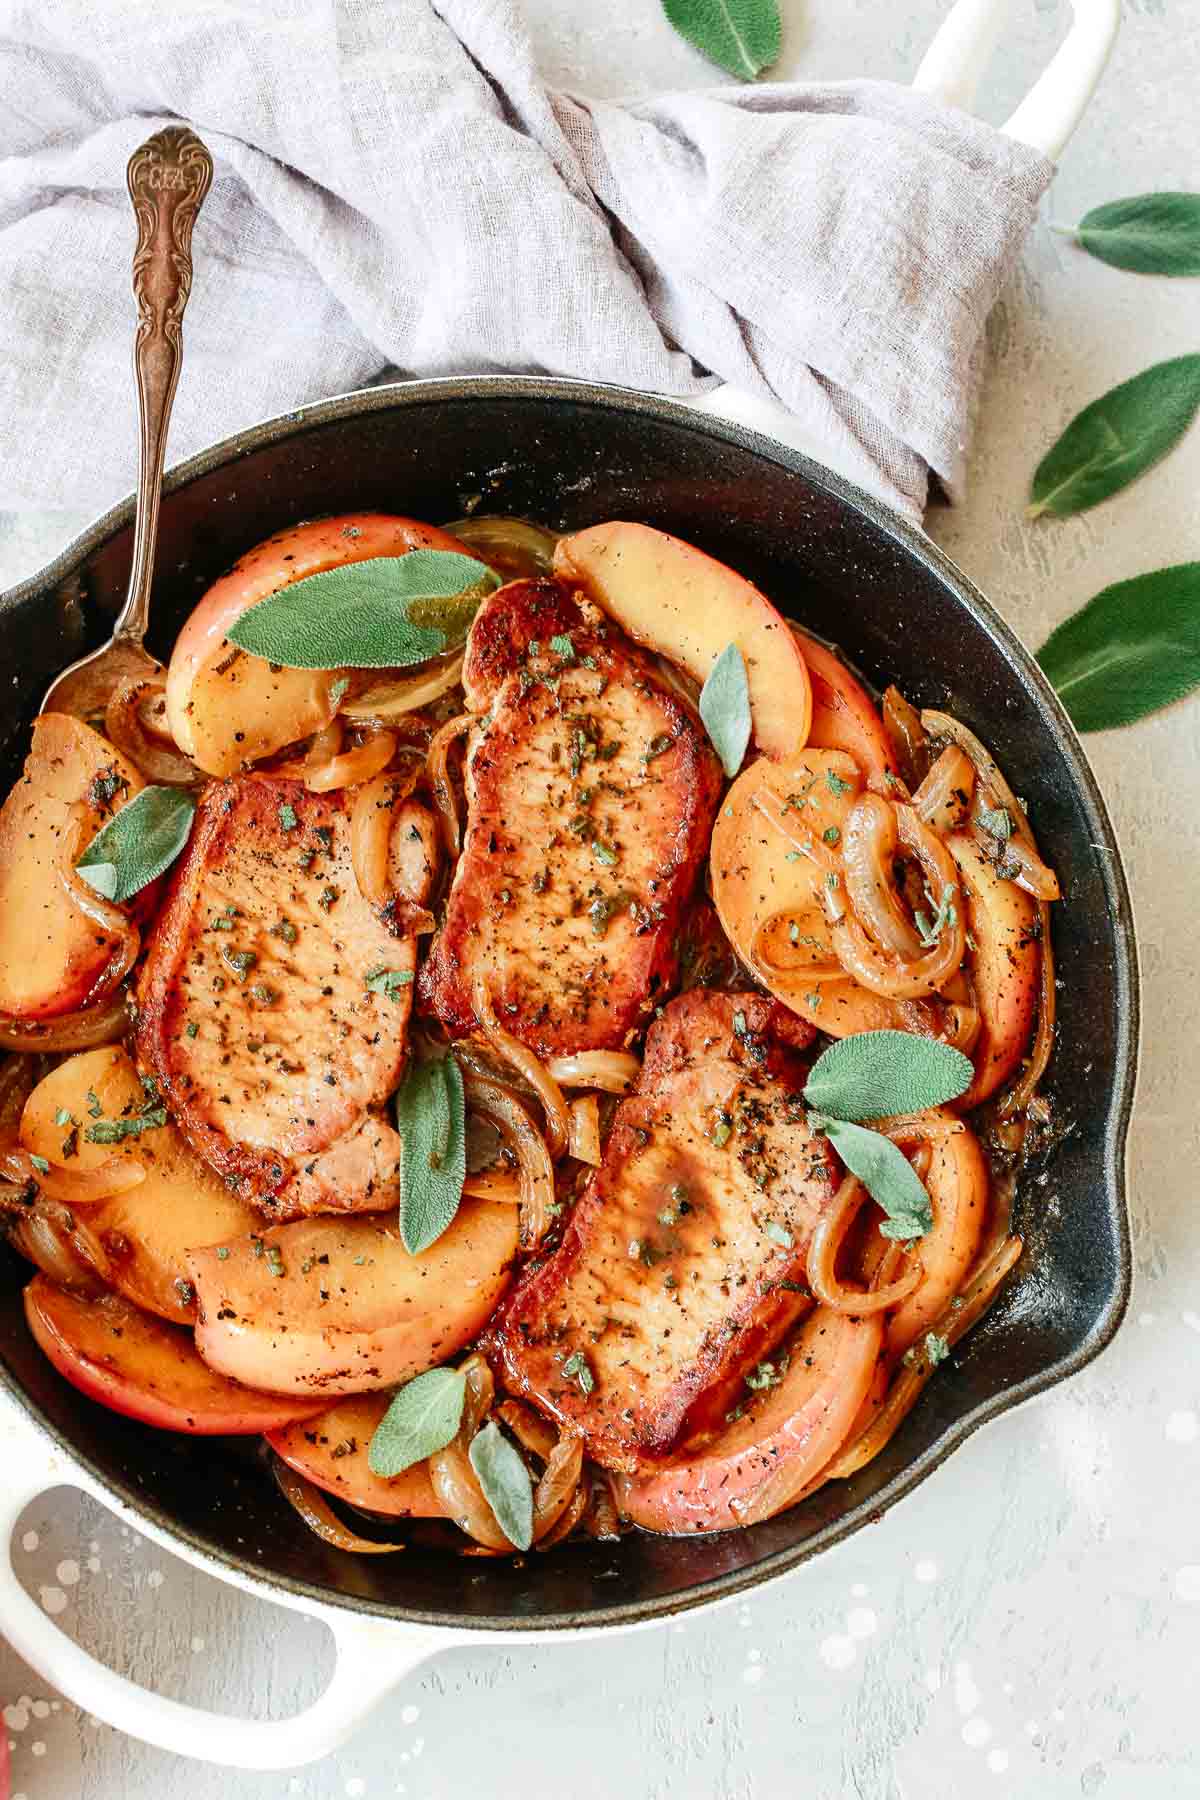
(683, 1262)
(274, 1001)
(591, 790)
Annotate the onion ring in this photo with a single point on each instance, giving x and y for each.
(48, 1236)
(76, 1187)
(902, 727)
(611, 1071)
(516, 1127)
(371, 820)
(583, 1131)
(800, 951)
(512, 546)
(437, 767)
(558, 1486)
(825, 1246)
(993, 792)
(528, 1066)
(870, 842)
(531, 1431)
(348, 768)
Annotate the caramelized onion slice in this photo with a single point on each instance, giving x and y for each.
(371, 819)
(86, 1029)
(76, 1187)
(124, 725)
(528, 1066)
(319, 1516)
(796, 943)
(394, 699)
(899, 977)
(902, 724)
(498, 1185)
(993, 791)
(513, 547)
(558, 1486)
(437, 767)
(611, 1071)
(515, 1125)
(1023, 1088)
(347, 768)
(943, 799)
(583, 1133)
(454, 1480)
(47, 1234)
(825, 1247)
(870, 843)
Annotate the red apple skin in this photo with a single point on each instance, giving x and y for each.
(51, 954)
(134, 1364)
(1005, 967)
(207, 709)
(844, 716)
(791, 1431)
(331, 1452)
(673, 599)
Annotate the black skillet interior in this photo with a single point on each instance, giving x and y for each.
(569, 455)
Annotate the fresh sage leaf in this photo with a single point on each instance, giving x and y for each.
(1134, 648)
(386, 612)
(876, 1074)
(1115, 439)
(1152, 234)
(138, 843)
(505, 1483)
(431, 1117)
(885, 1172)
(743, 36)
(725, 708)
(423, 1417)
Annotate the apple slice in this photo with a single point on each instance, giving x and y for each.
(688, 607)
(227, 708)
(957, 1182)
(134, 1364)
(844, 717)
(52, 954)
(760, 1463)
(331, 1452)
(1004, 966)
(137, 1242)
(339, 1306)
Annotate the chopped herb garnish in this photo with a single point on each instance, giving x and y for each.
(793, 856)
(40, 1164)
(578, 1369)
(832, 835)
(937, 1349)
(63, 1117)
(115, 1131)
(767, 1375)
(265, 996)
(603, 853)
(287, 816)
(835, 784)
(813, 999)
(778, 1234)
(222, 1253)
(562, 647)
(285, 930)
(326, 898)
(193, 1030)
(240, 961)
(93, 1103)
(338, 691)
(722, 1130)
(324, 836)
(931, 931)
(658, 746)
(381, 980)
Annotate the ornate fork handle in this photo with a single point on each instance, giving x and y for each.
(168, 178)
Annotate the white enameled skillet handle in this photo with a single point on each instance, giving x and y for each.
(1047, 117)
(950, 71)
(372, 1656)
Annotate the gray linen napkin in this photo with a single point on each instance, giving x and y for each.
(396, 189)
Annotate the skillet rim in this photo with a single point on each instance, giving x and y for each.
(912, 543)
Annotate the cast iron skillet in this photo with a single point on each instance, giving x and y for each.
(570, 454)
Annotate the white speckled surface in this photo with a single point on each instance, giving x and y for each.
(1027, 1623)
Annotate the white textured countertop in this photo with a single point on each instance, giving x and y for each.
(1027, 1623)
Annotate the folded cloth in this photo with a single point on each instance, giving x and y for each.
(397, 190)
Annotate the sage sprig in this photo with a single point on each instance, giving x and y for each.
(742, 36)
(421, 1420)
(431, 1117)
(875, 1075)
(725, 708)
(138, 843)
(383, 613)
(1115, 439)
(1151, 234)
(1133, 648)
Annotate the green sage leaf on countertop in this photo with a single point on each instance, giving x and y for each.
(505, 1483)
(885, 1172)
(1115, 439)
(875, 1074)
(431, 1117)
(1151, 234)
(385, 612)
(423, 1417)
(725, 708)
(743, 36)
(140, 840)
(1132, 649)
